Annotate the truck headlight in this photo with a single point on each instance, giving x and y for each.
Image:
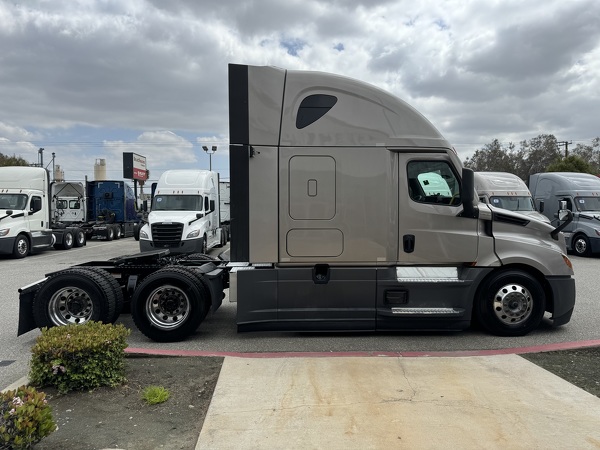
(193, 234)
(4, 232)
(143, 235)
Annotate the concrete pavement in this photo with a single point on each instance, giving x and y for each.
(477, 402)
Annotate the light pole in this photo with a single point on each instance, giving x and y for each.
(210, 153)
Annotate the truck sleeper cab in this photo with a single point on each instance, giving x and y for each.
(351, 238)
(507, 191)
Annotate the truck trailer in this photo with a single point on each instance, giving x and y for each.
(26, 225)
(333, 229)
(581, 193)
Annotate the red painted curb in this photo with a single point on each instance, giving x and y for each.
(448, 354)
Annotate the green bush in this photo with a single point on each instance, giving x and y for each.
(25, 418)
(155, 394)
(79, 357)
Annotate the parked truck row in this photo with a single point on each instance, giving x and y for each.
(103, 209)
(349, 211)
(38, 214)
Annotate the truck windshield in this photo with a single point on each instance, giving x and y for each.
(13, 201)
(513, 203)
(587, 203)
(177, 203)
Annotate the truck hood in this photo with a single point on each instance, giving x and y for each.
(589, 215)
(519, 218)
(171, 216)
(535, 215)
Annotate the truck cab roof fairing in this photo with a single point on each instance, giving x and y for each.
(265, 103)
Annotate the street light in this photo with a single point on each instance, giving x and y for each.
(210, 153)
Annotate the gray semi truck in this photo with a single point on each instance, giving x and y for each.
(581, 193)
(349, 211)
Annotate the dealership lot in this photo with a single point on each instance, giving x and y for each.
(219, 333)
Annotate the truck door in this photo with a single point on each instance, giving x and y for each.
(430, 230)
(36, 218)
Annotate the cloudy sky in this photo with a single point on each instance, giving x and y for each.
(92, 79)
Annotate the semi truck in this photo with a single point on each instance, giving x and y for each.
(333, 229)
(26, 225)
(581, 193)
(225, 207)
(104, 209)
(508, 191)
(185, 215)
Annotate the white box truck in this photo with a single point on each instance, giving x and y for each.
(581, 192)
(507, 191)
(185, 214)
(334, 228)
(25, 223)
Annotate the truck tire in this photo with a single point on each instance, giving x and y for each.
(136, 231)
(117, 290)
(169, 304)
(581, 245)
(67, 241)
(21, 247)
(74, 296)
(80, 238)
(110, 233)
(510, 303)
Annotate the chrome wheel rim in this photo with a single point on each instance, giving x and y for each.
(580, 246)
(167, 307)
(70, 305)
(513, 304)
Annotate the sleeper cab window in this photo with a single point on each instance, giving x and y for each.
(313, 108)
(433, 182)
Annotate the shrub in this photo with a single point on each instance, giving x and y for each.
(155, 394)
(79, 357)
(25, 418)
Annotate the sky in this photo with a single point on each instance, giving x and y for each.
(89, 80)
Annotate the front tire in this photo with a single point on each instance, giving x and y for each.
(74, 296)
(169, 304)
(21, 247)
(581, 245)
(510, 303)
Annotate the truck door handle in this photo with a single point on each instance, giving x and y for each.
(408, 241)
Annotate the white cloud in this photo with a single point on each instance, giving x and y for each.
(478, 70)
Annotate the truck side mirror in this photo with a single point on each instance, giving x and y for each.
(541, 207)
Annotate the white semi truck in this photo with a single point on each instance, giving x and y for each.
(26, 225)
(507, 191)
(581, 193)
(185, 215)
(333, 228)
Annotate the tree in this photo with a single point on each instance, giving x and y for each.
(590, 154)
(12, 160)
(536, 155)
(492, 158)
(571, 163)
